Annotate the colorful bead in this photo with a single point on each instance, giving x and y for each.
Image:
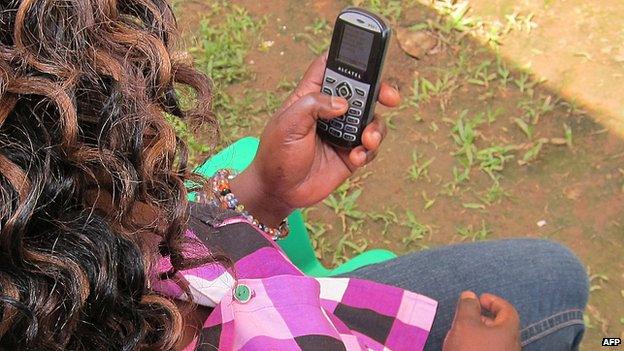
(224, 198)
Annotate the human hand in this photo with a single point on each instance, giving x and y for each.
(472, 331)
(293, 167)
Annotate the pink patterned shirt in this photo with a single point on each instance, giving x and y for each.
(264, 302)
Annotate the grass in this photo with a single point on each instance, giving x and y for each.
(417, 230)
(524, 127)
(492, 159)
(494, 194)
(219, 51)
(316, 231)
(428, 202)
(533, 153)
(567, 130)
(474, 234)
(534, 109)
(473, 206)
(387, 218)
(317, 36)
(390, 9)
(419, 169)
(460, 177)
(464, 133)
(196, 147)
(347, 246)
(344, 203)
(482, 75)
(456, 17)
(503, 72)
(597, 281)
(492, 114)
(423, 89)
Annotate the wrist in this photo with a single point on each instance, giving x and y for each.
(258, 198)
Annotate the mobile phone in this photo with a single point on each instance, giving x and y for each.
(356, 58)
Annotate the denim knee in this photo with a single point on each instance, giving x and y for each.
(565, 272)
(560, 324)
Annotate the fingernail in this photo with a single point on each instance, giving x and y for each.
(468, 295)
(362, 156)
(338, 103)
(376, 136)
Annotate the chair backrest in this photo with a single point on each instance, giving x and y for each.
(239, 156)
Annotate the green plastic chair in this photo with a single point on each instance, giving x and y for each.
(297, 245)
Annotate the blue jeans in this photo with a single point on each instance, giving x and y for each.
(544, 281)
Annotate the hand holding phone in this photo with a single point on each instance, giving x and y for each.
(354, 65)
(293, 167)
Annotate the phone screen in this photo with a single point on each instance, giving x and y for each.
(355, 46)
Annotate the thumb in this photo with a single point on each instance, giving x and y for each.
(300, 117)
(468, 309)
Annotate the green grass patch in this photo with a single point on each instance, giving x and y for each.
(221, 44)
(474, 233)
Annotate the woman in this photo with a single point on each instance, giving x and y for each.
(99, 248)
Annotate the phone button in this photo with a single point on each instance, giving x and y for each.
(330, 80)
(341, 118)
(357, 103)
(353, 120)
(344, 90)
(360, 91)
(355, 112)
(322, 124)
(335, 132)
(328, 91)
(348, 137)
(351, 129)
(337, 124)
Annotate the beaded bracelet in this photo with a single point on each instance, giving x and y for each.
(223, 197)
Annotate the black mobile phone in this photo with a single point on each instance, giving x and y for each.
(356, 57)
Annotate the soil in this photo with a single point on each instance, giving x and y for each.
(576, 190)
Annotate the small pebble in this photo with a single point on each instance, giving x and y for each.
(541, 223)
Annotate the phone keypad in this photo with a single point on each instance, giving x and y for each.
(347, 126)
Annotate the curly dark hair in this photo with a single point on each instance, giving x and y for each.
(92, 177)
